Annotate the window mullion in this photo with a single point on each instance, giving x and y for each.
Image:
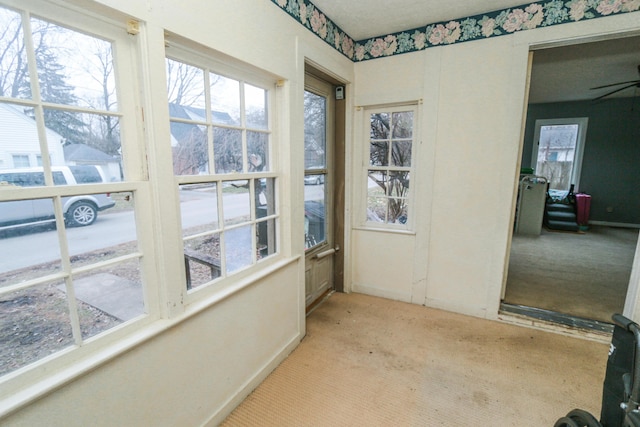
(66, 268)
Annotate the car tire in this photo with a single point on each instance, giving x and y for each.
(81, 214)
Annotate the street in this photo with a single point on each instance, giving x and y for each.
(110, 229)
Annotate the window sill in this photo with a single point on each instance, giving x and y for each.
(385, 230)
(23, 395)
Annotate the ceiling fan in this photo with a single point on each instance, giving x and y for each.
(630, 83)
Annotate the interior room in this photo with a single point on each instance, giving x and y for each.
(584, 273)
(189, 189)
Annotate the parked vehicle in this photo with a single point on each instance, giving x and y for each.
(78, 210)
(313, 179)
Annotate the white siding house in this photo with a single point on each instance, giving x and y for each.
(19, 145)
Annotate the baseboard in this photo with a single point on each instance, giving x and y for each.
(382, 293)
(253, 382)
(614, 224)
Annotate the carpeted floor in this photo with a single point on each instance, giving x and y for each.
(584, 275)
(368, 361)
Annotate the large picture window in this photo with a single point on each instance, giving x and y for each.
(71, 267)
(391, 135)
(221, 139)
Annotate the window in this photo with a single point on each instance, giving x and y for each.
(391, 134)
(68, 237)
(21, 161)
(221, 143)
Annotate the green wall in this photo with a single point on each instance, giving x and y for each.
(611, 164)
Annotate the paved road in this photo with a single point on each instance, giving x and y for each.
(110, 229)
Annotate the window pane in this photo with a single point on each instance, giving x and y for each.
(112, 234)
(185, 88)
(314, 131)
(266, 238)
(81, 76)
(377, 183)
(402, 124)
(379, 153)
(28, 240)
(258, 152)
(198, 208)
(556, 154)
(190, 147)
(376, 196)
(401, 153)
(21, 161)
(34, 323)
(225, 100)
(379, 128)
(398, 183)
(256, 106)
(108, 296)
(91, 139)
(15, 82)
(238, 248)
(314, 215)
(236, 202)
(227, 150)
(265, 197)
(397, 211)
(202, 259)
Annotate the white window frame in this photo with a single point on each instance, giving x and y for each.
(126, 53)
(181, 50)
(366, 125)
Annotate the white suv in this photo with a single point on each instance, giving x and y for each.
(78, 210)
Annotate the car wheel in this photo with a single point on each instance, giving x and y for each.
(81, 214)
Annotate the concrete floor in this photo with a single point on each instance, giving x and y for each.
(368, 361)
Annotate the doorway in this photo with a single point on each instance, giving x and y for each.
(579, 278)
(323, 186)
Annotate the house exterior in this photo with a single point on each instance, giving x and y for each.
(82, 154)
(19, 144)
(193, 357)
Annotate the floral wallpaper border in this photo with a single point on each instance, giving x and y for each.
(498, 23)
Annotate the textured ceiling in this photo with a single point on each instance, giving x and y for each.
(558, 74)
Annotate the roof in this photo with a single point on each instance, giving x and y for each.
(84, 153)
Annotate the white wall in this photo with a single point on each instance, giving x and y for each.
(208, 355)
(473, 98)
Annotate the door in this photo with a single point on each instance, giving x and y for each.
(557, 151)
(319, 184)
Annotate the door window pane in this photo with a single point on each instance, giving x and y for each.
(314, 215)
(315, 122)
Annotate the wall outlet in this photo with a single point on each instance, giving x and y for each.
(609, 209)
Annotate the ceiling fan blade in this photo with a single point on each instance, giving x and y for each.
(615, 91)
(615, 84)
